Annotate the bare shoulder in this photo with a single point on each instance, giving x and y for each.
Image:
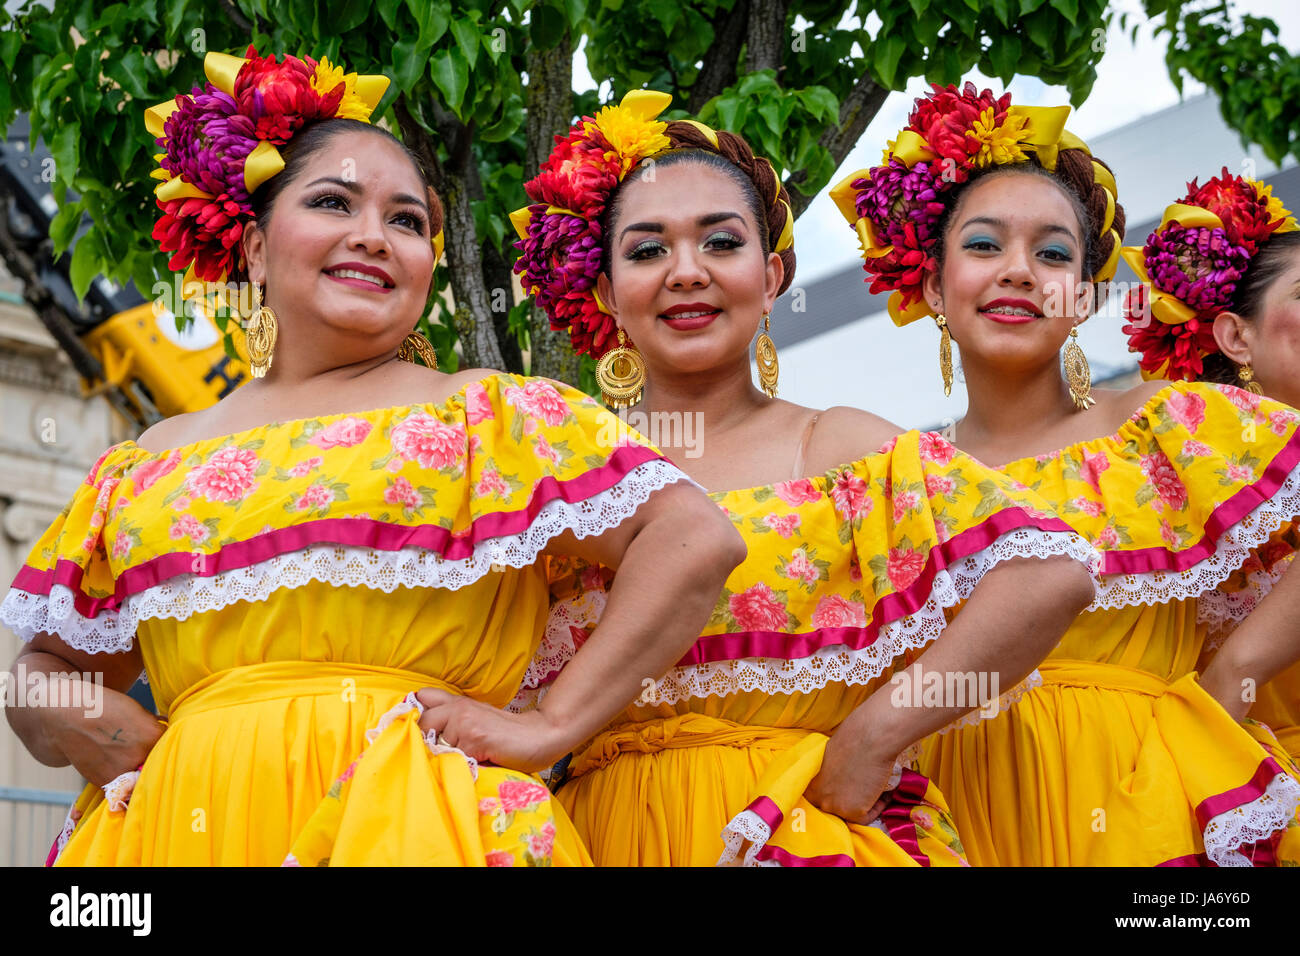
(175, 431)
(844, 434)
(1121, 405)
(463, 377)
(1139, 395)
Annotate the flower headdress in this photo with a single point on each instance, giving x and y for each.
(220, 142)
(1190, 267)
(896, 206)
(560, 232)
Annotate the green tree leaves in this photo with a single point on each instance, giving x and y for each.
(85, 72)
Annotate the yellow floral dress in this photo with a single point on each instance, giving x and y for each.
(847, 578)
(291, 587)
(1120, 758)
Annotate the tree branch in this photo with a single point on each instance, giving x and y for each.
(456, 182)
(765, 36)
(237, 18)
(719, 70)
(856, 112)
(549, 112)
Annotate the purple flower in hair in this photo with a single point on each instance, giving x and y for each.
(896, 195)
(560, 255)
(1198, 265)
(207, 141)
(559, 263)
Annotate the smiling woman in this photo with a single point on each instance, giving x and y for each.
(998, 222)
(335, 578)
(774, 739)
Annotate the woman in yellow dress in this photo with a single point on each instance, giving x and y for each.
(772, 739)
(1247, 333)
(334, 579)
(997, 221)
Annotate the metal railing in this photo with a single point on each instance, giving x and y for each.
(29, 822)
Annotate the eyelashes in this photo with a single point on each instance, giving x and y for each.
(721, 241)
(1053, 253)
(333, 200)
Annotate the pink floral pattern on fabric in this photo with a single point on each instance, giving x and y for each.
(342, 434)
(227, 476)
(429, 442)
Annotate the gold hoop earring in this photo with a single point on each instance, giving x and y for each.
(1078, 374)
(416, 344)
(765, 356)
(1246, 375)
(621, 374)
(260, 331)
(945, 353)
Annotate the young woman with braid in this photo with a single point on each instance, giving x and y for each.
(999, 223)
(775, 739)
(1236, 323)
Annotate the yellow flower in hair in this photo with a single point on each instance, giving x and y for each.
(327, 77)
(631, 127)
(1276, 210)
(999, 144)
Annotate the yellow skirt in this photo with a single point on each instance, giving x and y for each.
(698, 791)
(271, 764)
(1106, 765)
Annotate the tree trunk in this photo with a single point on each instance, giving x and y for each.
(856, 113)
(765, 37)
(497, 277)
(456, 182)
(550, 111)
(719, 69)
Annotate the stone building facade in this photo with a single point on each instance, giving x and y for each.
(50, 436)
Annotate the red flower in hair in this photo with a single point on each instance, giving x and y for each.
(1183, 346)
(903, 269)
(944, 118)
(1244, 211)
(279, 97)
(206, 231)
(579, 175)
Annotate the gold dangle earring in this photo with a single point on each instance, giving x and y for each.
(1246, 375)
(260, 332)
(765, 356)
(621, 374)
(945, 353)
(1078, 374)
(416, 344)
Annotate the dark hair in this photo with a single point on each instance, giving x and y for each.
(309, 141)
(1266, 267)
(1075, 177)
(755, 176)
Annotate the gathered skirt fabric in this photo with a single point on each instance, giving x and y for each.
(270, 765)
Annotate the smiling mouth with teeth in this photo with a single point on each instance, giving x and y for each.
(354, 274)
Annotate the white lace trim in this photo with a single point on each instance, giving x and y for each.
(746, 826)
(1255, 821)
(337, 565)
(1220, 611)
(436, 743)
(117, 792)
(1230, 552)
(65, 833)
(838, 664)
(558, 646)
